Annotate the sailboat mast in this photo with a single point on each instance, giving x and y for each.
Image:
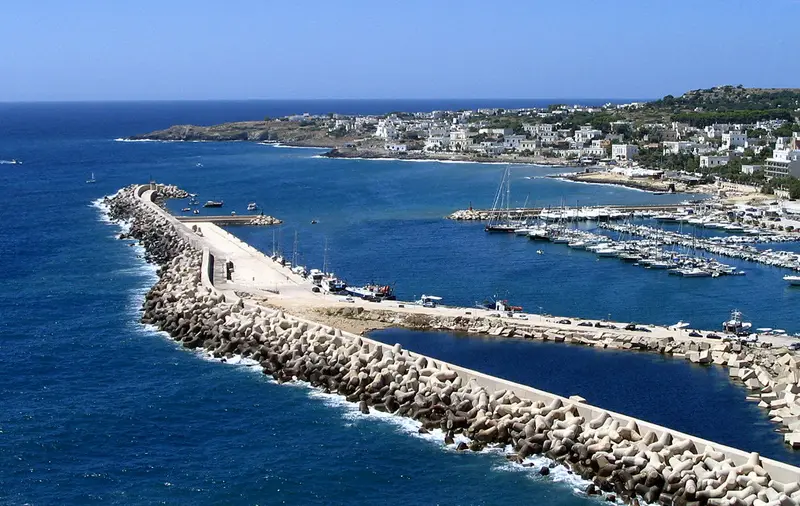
(325, 258)
(294, 249)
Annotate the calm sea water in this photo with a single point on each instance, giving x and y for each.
(98, 409)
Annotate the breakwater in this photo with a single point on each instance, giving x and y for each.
(771, 374)
(624, 457)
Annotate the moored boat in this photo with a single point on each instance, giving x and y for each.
(214, 203)
(792, 280)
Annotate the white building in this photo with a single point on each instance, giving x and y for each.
(513, 141)
(784, 162)
(708, 161)
(386, 130)
(586, 133)
(531, 145)
(750, 169)
(677, 147)
(496, 131)
(624, 152)
(538, 128)
(437, 143)
(731, 140)
(460, 140)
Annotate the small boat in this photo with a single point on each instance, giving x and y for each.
(186, 209)
(607, 252)
(213, 203)
(792, 280)
(196, 211)
(539, 252)
(429, 301)
(91, 179)
(736, 324)
(374, 292)
(199, 164)
(14, 161)
(252, 206)
(314, 222)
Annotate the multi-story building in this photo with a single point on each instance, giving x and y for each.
(624, 152)
(732, 139)
(784, 162)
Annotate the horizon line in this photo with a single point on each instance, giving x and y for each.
(96, 101)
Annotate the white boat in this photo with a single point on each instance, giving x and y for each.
(252, 206)
(736, 324)
(662, 264)
(793, 280)
(429, 300)
(607, 252)
(577, 244)
(91, 179)
(694, 272)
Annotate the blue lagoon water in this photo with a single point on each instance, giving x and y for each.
(98, 409)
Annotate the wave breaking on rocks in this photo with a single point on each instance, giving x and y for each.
(622, 457)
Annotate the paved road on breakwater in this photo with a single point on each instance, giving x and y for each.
(259, 275)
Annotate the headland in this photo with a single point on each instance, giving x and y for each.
(751, 138)
(220, 295)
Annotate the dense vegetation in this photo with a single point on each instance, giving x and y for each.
(702, 119)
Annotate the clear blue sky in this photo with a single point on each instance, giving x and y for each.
(240, 49)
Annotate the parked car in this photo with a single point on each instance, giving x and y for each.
(695, 333)
(711, 335)
(564, 322)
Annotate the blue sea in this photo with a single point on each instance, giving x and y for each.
(98, 409)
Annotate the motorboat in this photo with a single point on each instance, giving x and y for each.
(333, 284)
(694, 272)
(252, 206)
(429, 301)
(662, 264)
(213, 203)
(577, 244)
(186, 209)
(736, 324)
(793, 280)
(607, 252)
(538, 234)
(91, 179)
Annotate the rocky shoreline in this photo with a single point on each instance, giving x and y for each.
(622, 460)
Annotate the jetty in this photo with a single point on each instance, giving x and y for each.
(565, 212)
(238, 219)
(212, 296)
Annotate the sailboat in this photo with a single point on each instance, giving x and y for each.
(91, 180)
(502, 201)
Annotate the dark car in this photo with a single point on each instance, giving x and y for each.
(564, 322)
(695, 333)
(585, 324)
(713, 336)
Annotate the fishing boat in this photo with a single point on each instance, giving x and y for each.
(91, 179)
(332, 284)
(373, 291)
(792, 280)
(213, 203)
(500, 220)
(252, 206)
(498, 305)
(736, 323)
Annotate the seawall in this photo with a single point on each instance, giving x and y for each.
(624, 456)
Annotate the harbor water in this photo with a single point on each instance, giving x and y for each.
(98, 409)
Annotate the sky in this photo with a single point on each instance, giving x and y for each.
(326, 49)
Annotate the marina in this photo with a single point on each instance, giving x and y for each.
(733, 246)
